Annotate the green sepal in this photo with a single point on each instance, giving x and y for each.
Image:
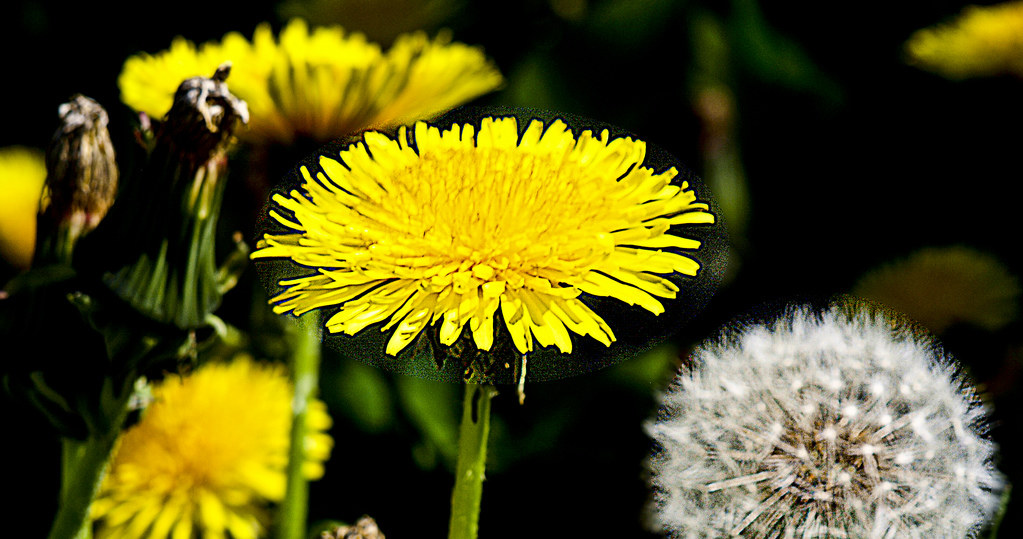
(156, 248)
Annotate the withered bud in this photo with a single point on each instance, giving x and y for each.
(167, 212)
(365, 528)
(81, 179)
(204, 115)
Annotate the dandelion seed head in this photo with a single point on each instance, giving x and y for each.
(836, 454)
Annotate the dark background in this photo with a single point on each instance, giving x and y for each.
(852, 158)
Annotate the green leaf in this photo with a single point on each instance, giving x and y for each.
(629, 23)
(774, 57)
(650, 369)
(431, 406)
(364, 394)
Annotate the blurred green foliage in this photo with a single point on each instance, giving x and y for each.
(839, 158)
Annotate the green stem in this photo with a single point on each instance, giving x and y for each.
(305, 340)
(84, 463)
(1000, 513)
(71, 453)
(472, 459)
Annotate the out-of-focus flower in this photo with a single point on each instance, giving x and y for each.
(320, 83)
(22, 172)
(981, 41)
(462, 227)
(208, 455)
(942, 286)
(822, 426)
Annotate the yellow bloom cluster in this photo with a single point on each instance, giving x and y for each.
(210, 451)
(460, 224)
(982, 41)
(22, 173)
(320, 83)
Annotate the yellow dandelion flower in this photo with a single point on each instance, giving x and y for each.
(981, 41)
(321, 83)
(463, 226)
(209, 453)
(938, 287)
(22, 172)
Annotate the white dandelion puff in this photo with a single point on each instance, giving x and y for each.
(829, 425)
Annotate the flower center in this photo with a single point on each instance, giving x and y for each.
(499, 215)
(836, 462)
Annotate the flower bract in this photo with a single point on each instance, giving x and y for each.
(209, 453)
(822, 426)
(467, 225)
(320, 83)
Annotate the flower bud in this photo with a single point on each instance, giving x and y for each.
(157, 249)
(81, 180)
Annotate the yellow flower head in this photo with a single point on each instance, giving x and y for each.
(938, 287)
(459, 227)
(210, 451)
(981, 41)
(22, 172)
(320, 83)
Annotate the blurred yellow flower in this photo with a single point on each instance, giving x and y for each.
(981, 41)
(458, 225)
(320, 83)
(209, 453)
(939, 287)
(22, 172)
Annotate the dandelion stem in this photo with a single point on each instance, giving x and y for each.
(84, 463)
(305, 339)
(472, 457)
(1003, 505)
